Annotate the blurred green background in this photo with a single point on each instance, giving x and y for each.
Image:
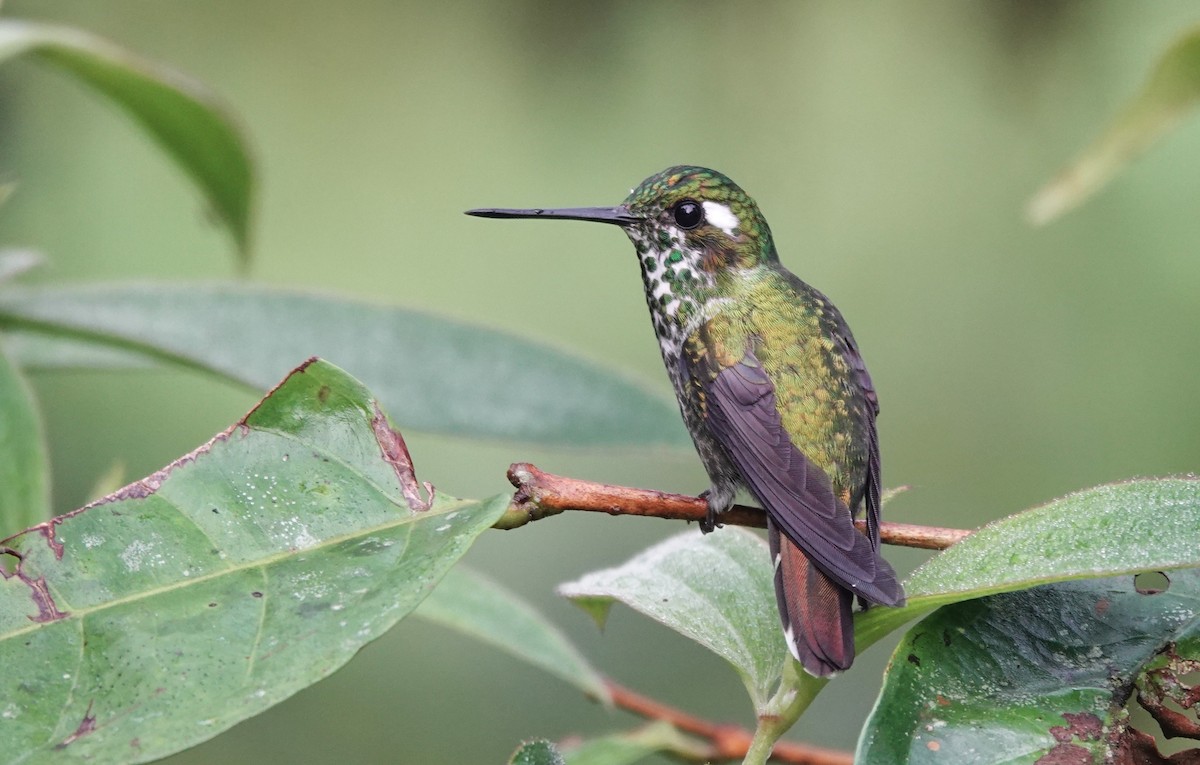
(891, 146)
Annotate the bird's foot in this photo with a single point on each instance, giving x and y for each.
(710, 523)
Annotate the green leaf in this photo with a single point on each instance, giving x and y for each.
(178, 112)
(467, 602)
(1171, 92)
(222, 584)
(431, 373)
(37, 351)
(628, 748)
(1040, 673)
(714, 588)
(1142, 525)
(539, 752)
(24, 491)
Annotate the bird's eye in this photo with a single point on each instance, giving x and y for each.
(688, 214)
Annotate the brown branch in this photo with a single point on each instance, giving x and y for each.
(540, 494)
(728, 742)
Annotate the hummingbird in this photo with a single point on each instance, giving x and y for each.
(773, 391)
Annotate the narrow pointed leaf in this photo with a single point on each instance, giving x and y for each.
(1143, 525)
(715, 589)
(222, 584)
(180, 114)
(1171, 92)
(1040, 675)
(432, 373)
(469, 603)
(24, 490)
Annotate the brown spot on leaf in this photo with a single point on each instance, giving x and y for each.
(86, 726)
(39, 591)
(914, 659)
(1081, 726)
(323, 394)
(46, 529)
(941, 700)
(933, 746)
(1085, 725)
(1102, 606)
(395, 452)
(1066, 754)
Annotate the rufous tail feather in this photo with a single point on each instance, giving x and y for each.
(818, 618)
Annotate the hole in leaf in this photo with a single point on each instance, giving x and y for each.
(10, 560)
(1151, 582)
(1163, 708)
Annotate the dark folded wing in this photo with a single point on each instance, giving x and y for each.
(742, 414)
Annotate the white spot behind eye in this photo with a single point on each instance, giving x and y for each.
(720, 216)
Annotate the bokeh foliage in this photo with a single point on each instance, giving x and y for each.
(1013, 365)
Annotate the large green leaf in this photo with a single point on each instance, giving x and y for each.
(1170, 93)
(182, 115)
(467, 602)
(1042, 673)
(430, 372)
(1115, 529)
(222, 584)
(24, 491)
(715, 588)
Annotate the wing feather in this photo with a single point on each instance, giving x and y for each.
(798, 495)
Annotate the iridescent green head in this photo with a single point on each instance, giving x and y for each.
(693, 228)
(692, 210)
(701, 211)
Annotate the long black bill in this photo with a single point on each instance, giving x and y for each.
(620, 216)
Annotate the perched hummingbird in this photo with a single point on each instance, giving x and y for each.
(773, 390)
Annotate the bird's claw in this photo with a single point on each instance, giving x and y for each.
(709, 522)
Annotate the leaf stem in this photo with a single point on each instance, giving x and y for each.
(731, 742)
(540, 494)
(797, 690)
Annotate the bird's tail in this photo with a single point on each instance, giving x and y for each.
(818, 618)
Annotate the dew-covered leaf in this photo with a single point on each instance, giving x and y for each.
(1171, 92)
(716, 589)
(1040, 675)
(430, 372)
(539, 752)
(222, 584)
(469, 603)
(24, 489)
(184, 118)
(1142, 525)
